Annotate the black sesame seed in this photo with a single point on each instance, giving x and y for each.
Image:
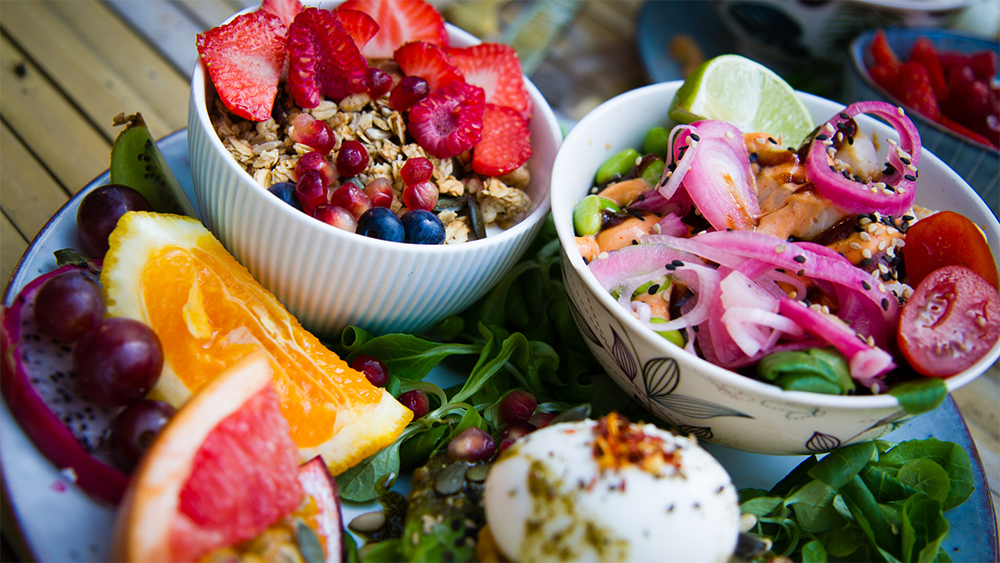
(800, 259)
(890, 188)
(910, 177)
(677, 263)
(885, 304)
(889, 169)
(634, 242)
(858, 229)
(670, 267)
(772, 141)
(653, 289)
(695, 137)
(905, 161)
(866, 285)
(886, 277)
(866, 262)
(672, 166)
(697, 329)
(821, 137)
(800, 273)
(641, 197)
(585, 261)
(908, 217)
(753, 157)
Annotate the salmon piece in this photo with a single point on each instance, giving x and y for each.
(623, 234)
(625, 192)
(588, 248)
(805, 215)
(658, 303)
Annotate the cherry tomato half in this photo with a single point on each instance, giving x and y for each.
(951, 322)
(947, 239)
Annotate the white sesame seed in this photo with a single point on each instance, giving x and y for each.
(908, 292)
(900, 111)
(887, 191)
(855, 246)
(865, 236)
(899, 242)
(828, 142)
(981, 321)
(829, 127)
(891, 142)
(870, 341)
(880, 185)
(891, 230)
(657, 228)
(602, 256)
(760, 140)
(826, 309)
(878, 216)
(816, 307)
(866, 253)
(840, 136)
(792, 294)
(881, 245)
(780, 248)
(668, 174)
(872, 227)
(911, 168)
(891, 251)
(729, 134)
(883, 268)
(900, 191)
(881, 287)
(864, 221)
(874, 190)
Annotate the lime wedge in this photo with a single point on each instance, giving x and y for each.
(748, 95)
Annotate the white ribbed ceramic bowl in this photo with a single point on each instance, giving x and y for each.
(329, 278)
(716, 404)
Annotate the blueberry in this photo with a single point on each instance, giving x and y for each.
(380, 223)
(422, 227)
(286, 193)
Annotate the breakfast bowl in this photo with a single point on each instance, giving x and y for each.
(698, 397)
(778, 30)
(330, 278)
(976, 162)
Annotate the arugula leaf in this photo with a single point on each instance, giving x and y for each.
(408, 356)
(358, 483)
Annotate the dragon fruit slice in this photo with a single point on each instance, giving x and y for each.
(37, 381)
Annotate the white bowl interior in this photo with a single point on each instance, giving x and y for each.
(622, 123)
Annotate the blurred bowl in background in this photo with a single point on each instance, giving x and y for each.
(977, 163)
(790, 32)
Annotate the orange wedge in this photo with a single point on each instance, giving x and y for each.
(221, 472)
(171, 273)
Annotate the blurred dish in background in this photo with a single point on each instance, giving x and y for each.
(674, 37)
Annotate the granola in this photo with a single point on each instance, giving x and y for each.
(268, 153)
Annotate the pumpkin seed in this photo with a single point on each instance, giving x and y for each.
(451, 479)
(477, 473)
(368, 522)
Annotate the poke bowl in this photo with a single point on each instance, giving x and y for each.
(975, 161)
(331, 278)
(698, 397)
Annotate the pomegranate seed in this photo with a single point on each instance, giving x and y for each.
(352, 158)
(409, 91)
(379, 83)
(373, 368)
(423, 195)
(336, 216)
(416, 170)
(516, 431)
(417, 401)
(352, 198)
(379, 192)
(313, 133)
(473, 444)
(517, 406)
(311, 190)
(541, 419)
(316, 161)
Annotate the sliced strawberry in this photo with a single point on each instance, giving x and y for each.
(496, 69)
(359, 25)
(284, 9)
(449, 120)
(244, 60)
(914, 89)
(924, 52)
(972, 102)
(428, 61)
(506, 143)
(963, 130)
(880, 50)
(885, 75)
(399, 21)
(323, 59)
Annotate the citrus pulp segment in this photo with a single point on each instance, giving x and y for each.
(220, 472)
(762, 102)
(171, 273)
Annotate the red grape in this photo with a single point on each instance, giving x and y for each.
(379, 192)
(68, 305)
(99, 213)
(410, 90)
(517, 406)
(312, 133)
(373, 368)
(318, 162)
(352, 159)
(423, 195)
(417, 401)
(416, 170)
(118, 361)
(134, 431)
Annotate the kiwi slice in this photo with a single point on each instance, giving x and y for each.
(136, 162)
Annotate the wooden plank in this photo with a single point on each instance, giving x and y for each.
(166, 26)
(208, 13)
(978, 402)
(51, 128)
(28, 194)
(616, 16)
(76, 69)
(137, 62)
(12, 246)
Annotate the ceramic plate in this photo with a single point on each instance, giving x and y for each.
(58, 522)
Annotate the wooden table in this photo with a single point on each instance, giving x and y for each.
(69, 66)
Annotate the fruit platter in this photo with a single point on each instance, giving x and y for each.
(162, 403)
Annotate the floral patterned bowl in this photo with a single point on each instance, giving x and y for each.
(713, 403)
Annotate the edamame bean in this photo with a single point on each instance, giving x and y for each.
(656, 141)
(653, 172)
(619, 164)
(674, 336)
(587, 215)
